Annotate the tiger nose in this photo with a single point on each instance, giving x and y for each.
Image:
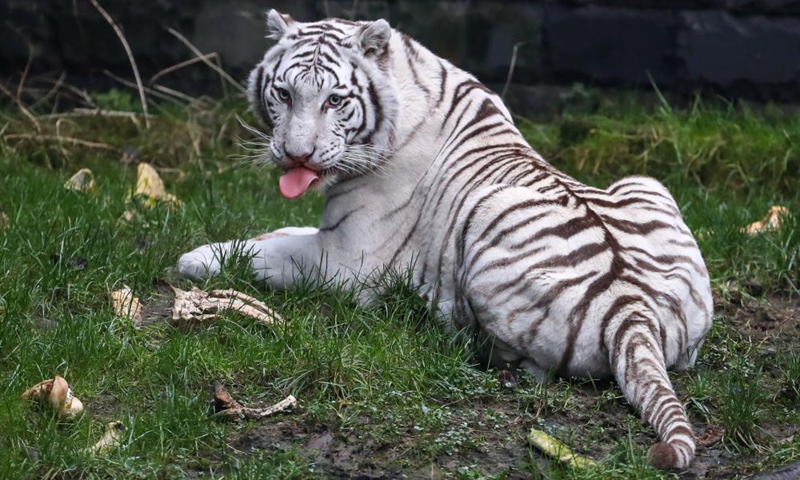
(300, 159)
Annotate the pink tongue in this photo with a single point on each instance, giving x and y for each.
(296, 181)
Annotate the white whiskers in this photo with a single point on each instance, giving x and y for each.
(257, 150)
(363, 159)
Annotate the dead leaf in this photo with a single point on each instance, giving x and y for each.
(225, 406)
(772, 221)
(5, 222)
(82, 181)
(199, 306)
(150, 188)
(127, 305)
(57, 392)
(712, 436)
(557, 450)
(112, 438)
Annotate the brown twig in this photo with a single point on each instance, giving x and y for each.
(95, 112)
(180, 65)
(128, 51)
(149, 91)
(180, 95)
(50, 93)
(55, 138)
(22, 107)
(225, 406)
(81, 94)
(21, 85)
(200, 54)
(511, 67)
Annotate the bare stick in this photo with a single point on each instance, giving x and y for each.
(200, 55)
(148, 90)
(82, 94)
(22, 79)
(257, 413)
(511, 69)
(130, 57)
(22, 107)
(180, 95)
(92, 112)
(47, 96)
(55, 138)
(180, 65)
(222, 84)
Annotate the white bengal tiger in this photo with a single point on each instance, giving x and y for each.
(422, 165)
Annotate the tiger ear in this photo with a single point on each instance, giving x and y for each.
(373, 38)
(278, 24)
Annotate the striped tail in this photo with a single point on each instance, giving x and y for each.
(638, 363)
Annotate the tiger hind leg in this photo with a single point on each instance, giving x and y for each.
(637, 361)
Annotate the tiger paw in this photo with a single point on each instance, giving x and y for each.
(199, 264)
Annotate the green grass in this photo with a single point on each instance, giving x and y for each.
(393, 389)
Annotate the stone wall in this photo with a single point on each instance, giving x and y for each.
(747, 48)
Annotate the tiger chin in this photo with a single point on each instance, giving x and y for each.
(422, 165)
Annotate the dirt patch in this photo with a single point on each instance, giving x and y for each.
(158, 306)
(762, 318)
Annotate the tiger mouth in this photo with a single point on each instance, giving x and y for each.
(296, 181)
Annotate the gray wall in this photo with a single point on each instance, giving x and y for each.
(733, 47)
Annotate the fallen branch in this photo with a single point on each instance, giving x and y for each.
(226, 407)
(95, 112)
(50, 93)
(54, 138)
(128, 52)
(22, 107)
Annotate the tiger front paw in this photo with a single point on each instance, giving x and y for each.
(200, 264)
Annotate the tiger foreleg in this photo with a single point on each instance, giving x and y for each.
(279, 257)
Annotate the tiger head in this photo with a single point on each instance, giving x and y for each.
(328, 92)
